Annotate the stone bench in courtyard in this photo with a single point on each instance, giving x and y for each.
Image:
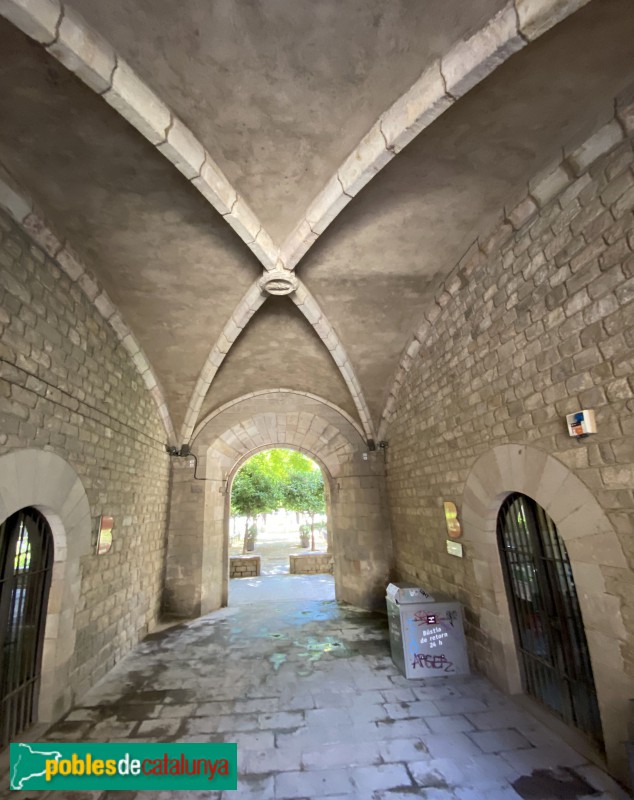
(311, 564)
(244, 566)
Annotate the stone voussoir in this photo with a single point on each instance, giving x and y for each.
(215, 188)
(599, 143)
(329, 203)
(416, 109)
(69, 261)
(137, 103)
(184, 150)
(243, 221)
(297, 245)
(364, 162)
(104, 305)
(39, 19)
(39, 231)
(625, 115)
(84, 52)
(522, 212)
(470, 61)
(18, 206)
(310, 309)
(538, 16)
(265, 250)
(548, 184)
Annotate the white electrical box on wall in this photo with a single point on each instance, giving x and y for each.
(581, 423)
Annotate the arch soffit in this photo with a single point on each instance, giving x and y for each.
(68, 38)
(268, 392)
(291, 419)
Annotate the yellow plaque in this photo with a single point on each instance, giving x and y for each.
(104, 541)
(454, 531)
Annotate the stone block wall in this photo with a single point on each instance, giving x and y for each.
(539, 327)
(311, 564)
(362, 542)
(244, 566)
(183, 580)
(68, 386)
(536, 322)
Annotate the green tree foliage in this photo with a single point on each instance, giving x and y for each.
(278, 479)
(304, 492)
(254, 491)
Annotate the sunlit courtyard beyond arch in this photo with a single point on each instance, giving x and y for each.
(279, 526)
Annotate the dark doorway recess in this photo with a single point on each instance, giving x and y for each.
(26, 564)
(549, 629)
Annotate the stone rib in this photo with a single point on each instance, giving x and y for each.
(460, 69)
(246, 308)
(309, 307)
(85, 53)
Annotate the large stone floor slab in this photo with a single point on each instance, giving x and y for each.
(277, 588)
(308, 691)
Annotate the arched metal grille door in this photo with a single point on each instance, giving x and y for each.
(26, 563)
(550, 632)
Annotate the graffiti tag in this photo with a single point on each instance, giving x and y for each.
(423, 618)
(427, 661)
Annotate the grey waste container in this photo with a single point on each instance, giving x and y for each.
(426, 633)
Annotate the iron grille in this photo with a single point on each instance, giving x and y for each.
(549, 628)
(26, 563)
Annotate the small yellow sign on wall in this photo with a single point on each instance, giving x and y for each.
(454, 531)
(104, 540)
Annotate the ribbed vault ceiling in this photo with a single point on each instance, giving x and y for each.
(275, 96)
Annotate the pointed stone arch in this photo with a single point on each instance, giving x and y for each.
(593, 548)
(46, 482)
(197, 559)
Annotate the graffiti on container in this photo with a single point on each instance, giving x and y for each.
(427, 661)
(423, 618)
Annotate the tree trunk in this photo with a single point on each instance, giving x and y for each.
(246, 533)
(312, 532)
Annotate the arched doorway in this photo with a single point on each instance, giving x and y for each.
(26, 566)
(550, 634)
(595, 554)
(197, 557)
(281, 497)
(43, 481)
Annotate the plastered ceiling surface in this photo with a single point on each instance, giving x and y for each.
(279, 94)
(278, 350)
(388, 252)
(280, 91)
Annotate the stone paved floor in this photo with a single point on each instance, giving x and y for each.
(308, 691)
(279, 588)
